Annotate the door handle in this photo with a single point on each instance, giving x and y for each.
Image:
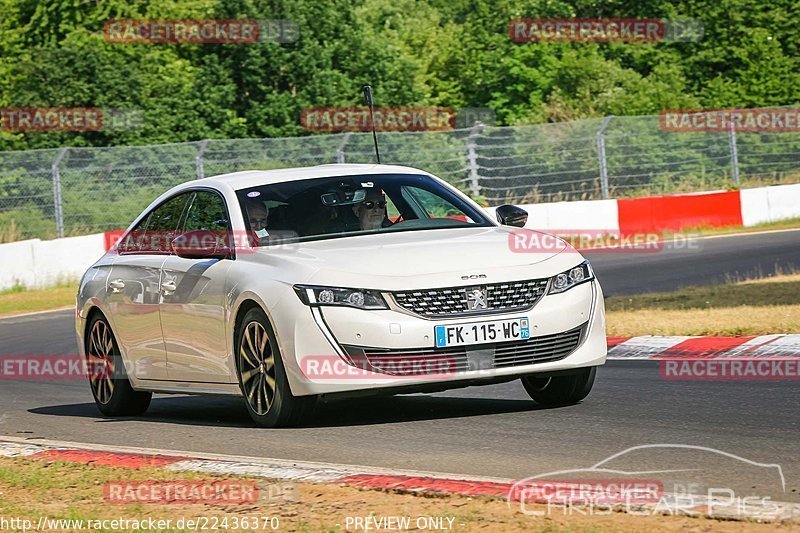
(168, 287)
(116, 285)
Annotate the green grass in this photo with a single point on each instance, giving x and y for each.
(750, 307)
(19, 299)
(16, 289)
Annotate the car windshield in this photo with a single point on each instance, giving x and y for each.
(325, 208)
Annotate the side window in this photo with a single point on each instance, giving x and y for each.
(391, 210)
(156, 231)
(435, 206)
(207, 212)
(134, 238)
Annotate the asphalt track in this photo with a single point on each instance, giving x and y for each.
(487, 431)
(700, 261)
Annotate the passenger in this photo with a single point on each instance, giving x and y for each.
(258, 217)
(371, 212)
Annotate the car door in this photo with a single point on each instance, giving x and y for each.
(194, 303)
(134, 285)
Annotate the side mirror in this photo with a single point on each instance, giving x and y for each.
(511, 215)
(200, 244)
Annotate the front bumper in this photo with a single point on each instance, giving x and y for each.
(326, 337)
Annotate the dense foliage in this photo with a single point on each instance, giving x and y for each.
(453, 53)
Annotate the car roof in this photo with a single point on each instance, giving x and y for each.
(254, 178)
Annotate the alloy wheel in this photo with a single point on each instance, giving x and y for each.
(101, 362)
(257, 367)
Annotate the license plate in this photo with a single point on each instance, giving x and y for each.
(482, 332)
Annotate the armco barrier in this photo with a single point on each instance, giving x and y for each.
(783, 201)
(38, 263)
(668, 213)
(770, 204)
(755, 206)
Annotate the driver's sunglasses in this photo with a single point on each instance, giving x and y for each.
(380, 204)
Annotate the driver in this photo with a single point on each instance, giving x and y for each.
(371, 212)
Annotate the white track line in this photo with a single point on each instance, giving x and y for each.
(37, 313)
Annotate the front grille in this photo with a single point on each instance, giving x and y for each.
(460, 301)
(437, 361)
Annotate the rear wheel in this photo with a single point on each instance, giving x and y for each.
(108, 379)
(262, 376)
(560, 390)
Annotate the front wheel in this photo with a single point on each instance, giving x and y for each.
(262, 376)
(560, 390)
(108, 379)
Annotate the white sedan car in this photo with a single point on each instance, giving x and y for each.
(283, 286)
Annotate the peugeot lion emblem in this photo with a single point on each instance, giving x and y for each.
(476, 299)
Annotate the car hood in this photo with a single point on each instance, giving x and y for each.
(419, 258)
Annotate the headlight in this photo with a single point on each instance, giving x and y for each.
(568, 279)
(358, 298)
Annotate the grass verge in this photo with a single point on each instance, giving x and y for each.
(17, 300)
(31, 489)
(751, 307)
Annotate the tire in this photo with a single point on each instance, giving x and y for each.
(262, 376)
(108, 378)
(560, 390)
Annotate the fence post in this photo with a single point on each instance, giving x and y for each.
(734, 153)
(472, 158)
(200, 170)
(57, 202)
(340, 149)
(601, 156)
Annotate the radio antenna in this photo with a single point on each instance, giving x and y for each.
(368, 101)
